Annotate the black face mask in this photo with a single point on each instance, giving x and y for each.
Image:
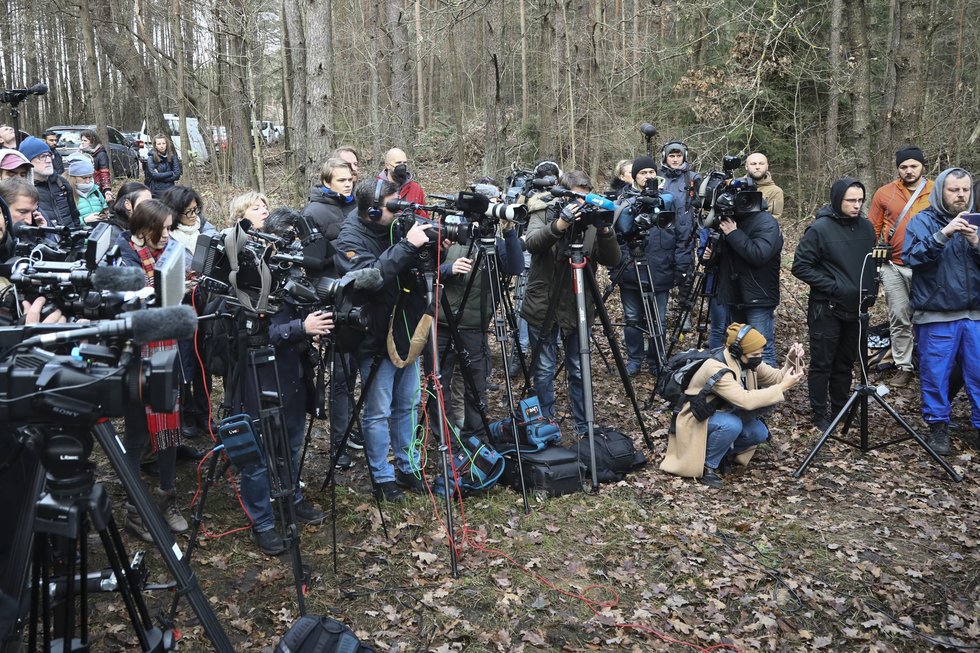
(752, 363)
(400, 174)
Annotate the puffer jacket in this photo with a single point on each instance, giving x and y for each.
(162, 174)
(93, 203)
(327, 211)
(667, 252)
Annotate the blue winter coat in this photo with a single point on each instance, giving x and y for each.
(944, 277)
(162, 174)
(668, 254)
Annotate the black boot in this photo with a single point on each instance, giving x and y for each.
(939, 438)
(711, 479)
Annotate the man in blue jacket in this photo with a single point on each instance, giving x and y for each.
(943, 250)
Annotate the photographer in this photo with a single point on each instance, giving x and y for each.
(547, 239)
(747, 260)
(667, 259)
(288, 333)
(943, 249)
(369, 240)
(830, 258)
(718, 425)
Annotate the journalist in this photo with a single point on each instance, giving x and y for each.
(369, 239)
(547, 240)
(830, 258)
(682, 183)
(719, 423)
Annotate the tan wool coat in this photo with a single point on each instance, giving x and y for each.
(686, 447)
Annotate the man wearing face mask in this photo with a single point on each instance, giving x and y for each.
(396, 171)
(718, 424)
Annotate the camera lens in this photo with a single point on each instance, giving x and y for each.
(158, 381)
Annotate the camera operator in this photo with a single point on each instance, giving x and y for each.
(667, 259)
(547, 240)
(830, 258)
(682, 183)
(289, 333)
(455, 272)
(943, 249)
(718, 424)
(747, 280)
(369, 240)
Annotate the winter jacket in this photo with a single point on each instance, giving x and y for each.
(668, 254)
(58, 162)
(832, 252)
(410, 191)
(57, 201)
(748, 262)
(187, 236)
(772, 194)
(100, 161)
(478, 308)
(547, 245)
(887, 205)
(682, 183)
(92, 204)
(162, 174)
(945, 271)
(128, 255)
(686, 447)
(366, 244)
(327, 211)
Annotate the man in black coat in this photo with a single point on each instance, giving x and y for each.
(748, 272)
(830, 259)
(57, 202)
(51, 138)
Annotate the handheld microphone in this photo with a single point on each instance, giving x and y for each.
(142, 327)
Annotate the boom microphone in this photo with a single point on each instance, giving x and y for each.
(648, 130)
(118, 279)
(366, 279)
(142, 327)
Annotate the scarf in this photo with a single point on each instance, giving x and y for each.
(187, 235)
(164, 427)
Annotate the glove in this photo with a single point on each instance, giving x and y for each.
(680, 279)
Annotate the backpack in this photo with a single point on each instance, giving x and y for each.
(681, 368)
(475, 466)
(320, 634)
(615, 454)
(533, 434)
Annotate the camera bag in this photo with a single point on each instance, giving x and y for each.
(615, 454)
(554, 471)
(475, 467)
(241, 445)
(534, 433)
(320, 634)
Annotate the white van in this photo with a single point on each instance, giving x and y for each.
(199, 149)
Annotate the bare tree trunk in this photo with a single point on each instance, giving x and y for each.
(374, 101)
(242, 164)
(833, 139)
(862, 123)
(635, 61)
(185, 139)
(910, 71)
(493, 154)
(419, 65)
(458, 107)
(95, 90)
(400, 73)
(524, 87)
(298, 119)
(320, 79)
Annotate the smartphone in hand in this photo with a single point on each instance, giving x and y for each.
(972, 218)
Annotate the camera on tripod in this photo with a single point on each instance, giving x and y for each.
(651, 208)
(597, 210)
(721, 195)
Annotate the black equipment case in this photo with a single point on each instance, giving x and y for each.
(554, 470)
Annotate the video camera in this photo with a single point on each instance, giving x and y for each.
(597, 210)
(651, 208)
(50, 243)
(721, 195)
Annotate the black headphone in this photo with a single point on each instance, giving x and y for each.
(374, 213)
(685, 150)
(735, 349)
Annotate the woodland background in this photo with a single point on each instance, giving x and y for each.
(825, 88)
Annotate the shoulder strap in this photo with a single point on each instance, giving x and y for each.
(688, 190)
(905, 211)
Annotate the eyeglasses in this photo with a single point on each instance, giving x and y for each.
(47, 156)
(192, 211)
(859, 200)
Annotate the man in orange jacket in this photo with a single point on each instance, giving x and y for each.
(891, 209)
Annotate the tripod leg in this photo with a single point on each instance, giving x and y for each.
(585, 368)
(823, 439)
(918, 438)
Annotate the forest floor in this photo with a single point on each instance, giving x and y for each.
(873, 551)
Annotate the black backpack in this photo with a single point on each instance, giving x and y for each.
(681, 368)
(615, 454)
(317, 634)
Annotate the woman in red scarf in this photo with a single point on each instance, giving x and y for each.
(141, 246)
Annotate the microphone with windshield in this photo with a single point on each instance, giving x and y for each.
(142, 327)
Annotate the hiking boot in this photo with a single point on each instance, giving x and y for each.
(134, 525)
(821, 422)
(390, 492)
(410, 482)
(344, 461)
(167, 503)
(493, 387)
(151, 468)
(901, 379)
(356, 441)
(513, 364)
(269, 541)
(711, 479)
(632, 369)
(725, 467)
(939, 438)
(188, 432)
(307, 514)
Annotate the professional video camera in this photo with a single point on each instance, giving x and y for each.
(721, 195)
(597, 210)
(651, 208)
(51, 243)
(523, 182)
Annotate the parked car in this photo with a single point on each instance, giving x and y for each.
(270, 133)
(123, 158)
(198, 148)
(220, 137)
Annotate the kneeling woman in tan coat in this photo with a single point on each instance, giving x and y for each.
(697, 447)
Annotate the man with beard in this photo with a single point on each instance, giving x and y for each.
(830, 259)
(57, 201)
(892, 208)
(757, 165)
(943, 250)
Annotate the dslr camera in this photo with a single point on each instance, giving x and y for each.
(721, 195)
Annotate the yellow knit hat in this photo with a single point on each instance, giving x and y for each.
(751, 341)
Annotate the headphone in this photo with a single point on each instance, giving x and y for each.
(735, 349)
(683, 148)
(374, 213)
(537, 169)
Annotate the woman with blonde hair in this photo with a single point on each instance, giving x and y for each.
(252, 206)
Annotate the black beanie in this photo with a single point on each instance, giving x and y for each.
(910, 152)
(642, 163)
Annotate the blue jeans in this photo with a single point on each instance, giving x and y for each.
(544, 373)
(719, 323)
(394, 394)
(727, 432)
(763, 320)
(635, 335)
(939, 345)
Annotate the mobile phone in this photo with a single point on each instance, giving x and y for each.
(972, 218)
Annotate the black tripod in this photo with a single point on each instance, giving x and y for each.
(859, 398)
(73, 505)
(584, 278)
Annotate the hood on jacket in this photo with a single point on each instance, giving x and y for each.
(20, 155)
(324, 195)
(837, 192)
(936, 196)
(672, 173)
(765, 181)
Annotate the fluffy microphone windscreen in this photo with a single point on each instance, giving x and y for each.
(118, 279)
(155, 324)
